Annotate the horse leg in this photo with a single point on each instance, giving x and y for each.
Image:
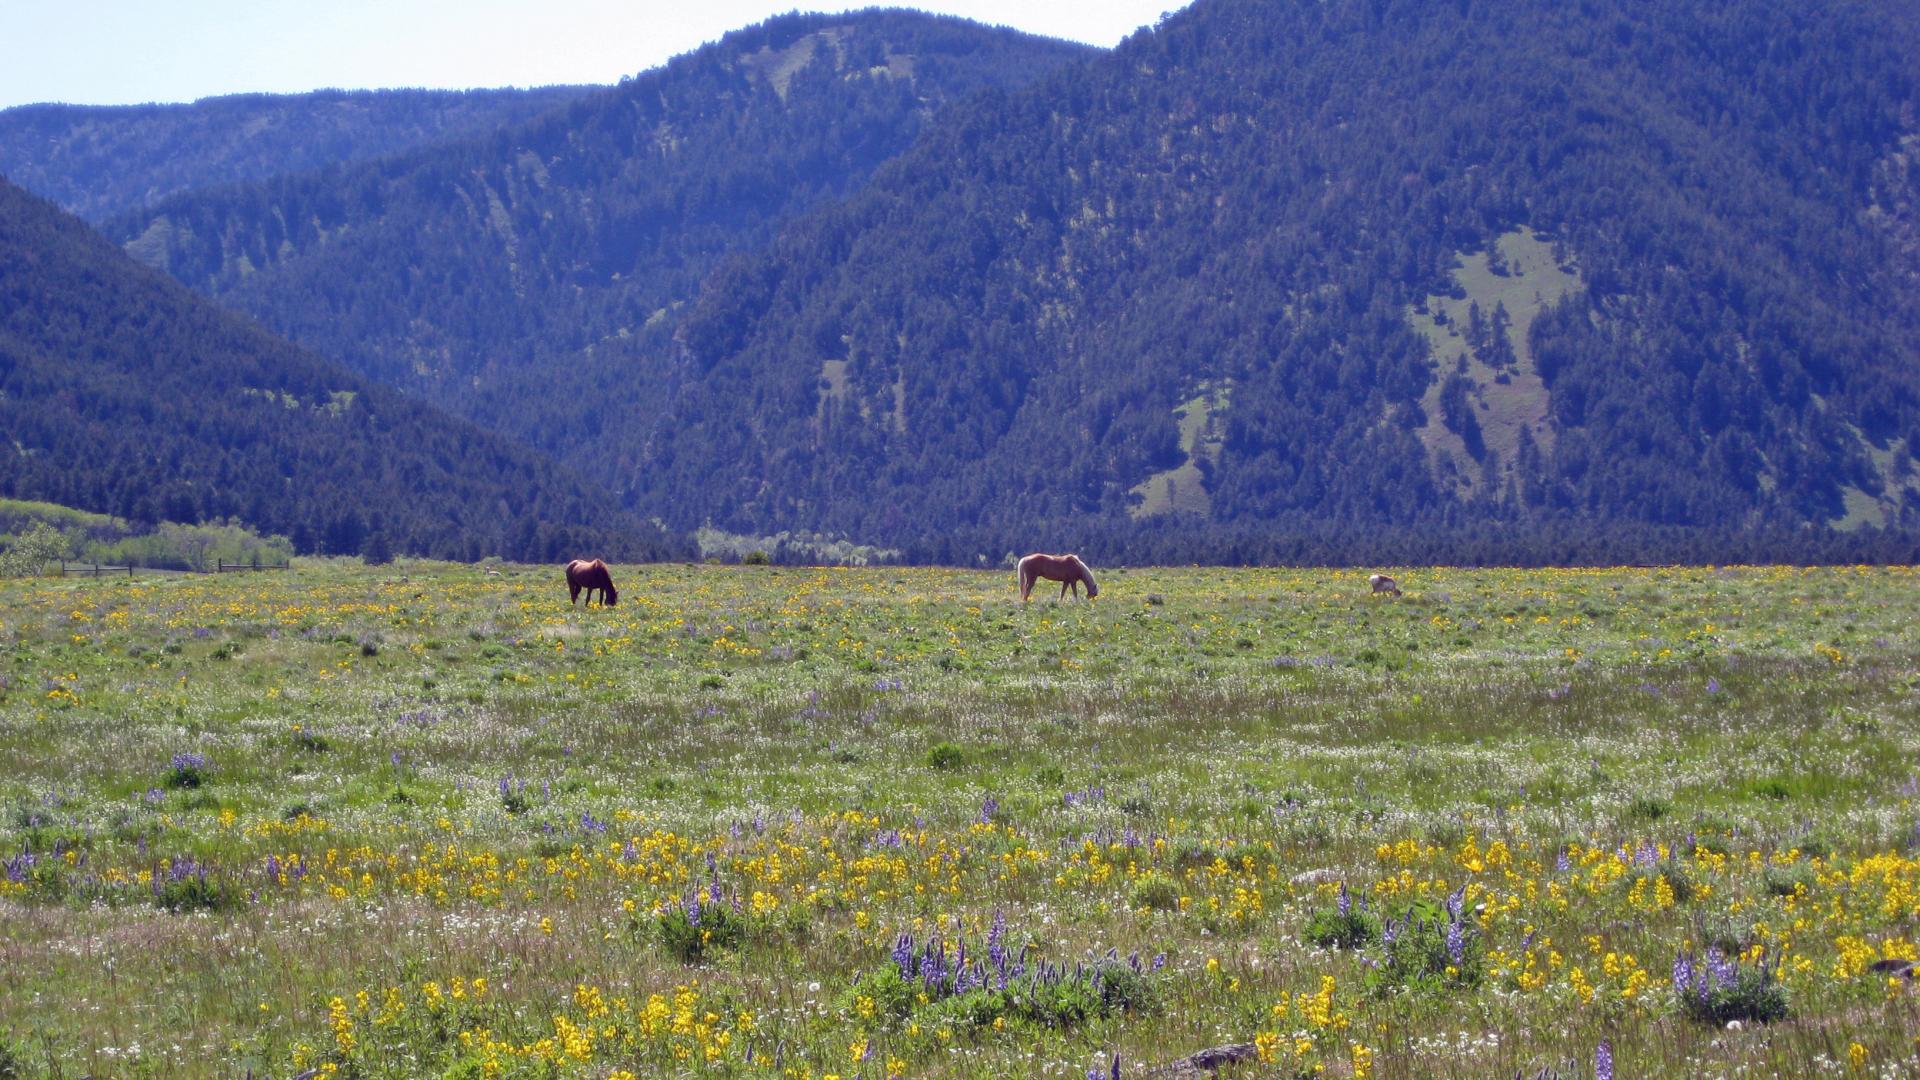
(575, 590)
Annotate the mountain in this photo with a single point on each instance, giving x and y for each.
(102, 162)
(1376, 266)
(122, 392)
(509, 277)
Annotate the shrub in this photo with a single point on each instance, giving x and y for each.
(1650, 807)
(888, 994)
(1717, 990)
(1815, 845)
(1331, 928)
(1429, 947)
(946, 756)
(701, 924)
(1786, 880)
(956, 988)
(1671, 871)
(187, 771)
(185, 886)
(1155, 890)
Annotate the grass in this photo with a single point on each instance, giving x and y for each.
(418, 820)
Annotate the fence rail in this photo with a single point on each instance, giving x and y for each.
(68, 569)
(93, 570)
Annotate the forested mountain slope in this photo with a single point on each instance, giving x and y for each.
(1363, 264)
(103, 161)
(507, 277)
(122, 392)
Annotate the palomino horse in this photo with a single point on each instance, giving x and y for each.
(1068, 570)
(1383, 584)
(591, 575)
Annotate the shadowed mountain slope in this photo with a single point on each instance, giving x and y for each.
(124, 393)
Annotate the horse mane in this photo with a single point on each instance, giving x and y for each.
(1085, 570)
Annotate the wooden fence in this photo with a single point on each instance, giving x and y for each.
(99, 570)
(93, 570)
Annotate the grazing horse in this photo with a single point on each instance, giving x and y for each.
(1068, 570)
(591, 575)
(1383, 584)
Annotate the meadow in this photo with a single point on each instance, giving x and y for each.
(423, 820)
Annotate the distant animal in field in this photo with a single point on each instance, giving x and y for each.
(1383, 584)
(1068, 570)
(591, 575)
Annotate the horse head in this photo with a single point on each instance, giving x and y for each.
(1086, 575)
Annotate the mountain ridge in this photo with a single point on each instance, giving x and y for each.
(102, 161)
(481, 274)
(1265, 194)
(122, 392)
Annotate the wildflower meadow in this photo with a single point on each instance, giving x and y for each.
(760, 821)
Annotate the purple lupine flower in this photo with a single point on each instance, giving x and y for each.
(1562, 864)
(189, 760)
(997, 941)
(903, 955)
(1713, 686)
(1346, 902)
(1456, 903)
(1456, 941)
(273, 868)
(987, 808)
(1646, 854)
(1603, 1061)
(1721, 968)
(693, 909)
(1682, 973)
(1159, 961)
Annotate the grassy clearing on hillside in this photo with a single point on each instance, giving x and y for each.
(418, 820)
(1509, 399)
(1183, 488)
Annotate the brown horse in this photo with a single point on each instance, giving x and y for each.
(591, 575)
(1066, 569)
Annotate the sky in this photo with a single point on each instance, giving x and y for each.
(117, 52)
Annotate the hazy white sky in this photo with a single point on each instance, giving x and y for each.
(127, 51)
